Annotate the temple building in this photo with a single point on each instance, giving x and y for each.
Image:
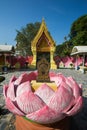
(6, 51)
(43, 46)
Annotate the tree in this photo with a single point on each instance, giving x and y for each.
(24, 38)
(63, 49)
(78, 32)
(59, 49)
(77, 36)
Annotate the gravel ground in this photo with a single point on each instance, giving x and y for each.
(11, 125)
(79, 121)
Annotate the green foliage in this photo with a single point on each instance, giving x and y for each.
(63, 49)
(78, 33)
(59, 49)
(77, 36)
(25, 36)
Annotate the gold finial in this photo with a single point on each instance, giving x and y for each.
(43, 19)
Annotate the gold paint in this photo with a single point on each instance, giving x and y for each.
(35, 85)
(43, 42)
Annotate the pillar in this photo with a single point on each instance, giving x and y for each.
(34, 58)
(52, 63)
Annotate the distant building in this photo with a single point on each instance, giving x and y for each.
(80, 51)
(5, 50)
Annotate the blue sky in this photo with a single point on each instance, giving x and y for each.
(58, 15)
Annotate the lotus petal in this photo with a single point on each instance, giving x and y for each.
(5, 88)
(13, 78)
(80, 86)
(28, 102)
(24, 87)
(52, 74)
(11, 91)
(76, 108)
(66, 86)
(12, 106)
(32, 76)
(76, 89)
(44, 92)
(45, 116)
(60, 100)
(53, 77)
(22, 78)
(58, 78)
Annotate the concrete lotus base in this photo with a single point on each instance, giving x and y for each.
(23, 124)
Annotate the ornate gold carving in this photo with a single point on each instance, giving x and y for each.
(43, 67)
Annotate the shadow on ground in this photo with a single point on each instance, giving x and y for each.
(79, 121)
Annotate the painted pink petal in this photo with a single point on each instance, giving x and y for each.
(53, 77)
(61, 99)
(76, 108)
(75, 87)
(58, 79)
(45, 116)
(65, 85)
(32, 76)
(5, 88)
(11, 91)
(22, 78)
(13, 78)
(12, 107)
(51, 74)
(44, 92)
(24, 87)
(61, 76)
(28, 102)
(61, 79)
(80, 86)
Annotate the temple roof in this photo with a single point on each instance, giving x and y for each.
(43, 29)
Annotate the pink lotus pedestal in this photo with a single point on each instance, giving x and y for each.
(44, 103)
(23, 124)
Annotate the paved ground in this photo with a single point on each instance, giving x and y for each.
(80, 120)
